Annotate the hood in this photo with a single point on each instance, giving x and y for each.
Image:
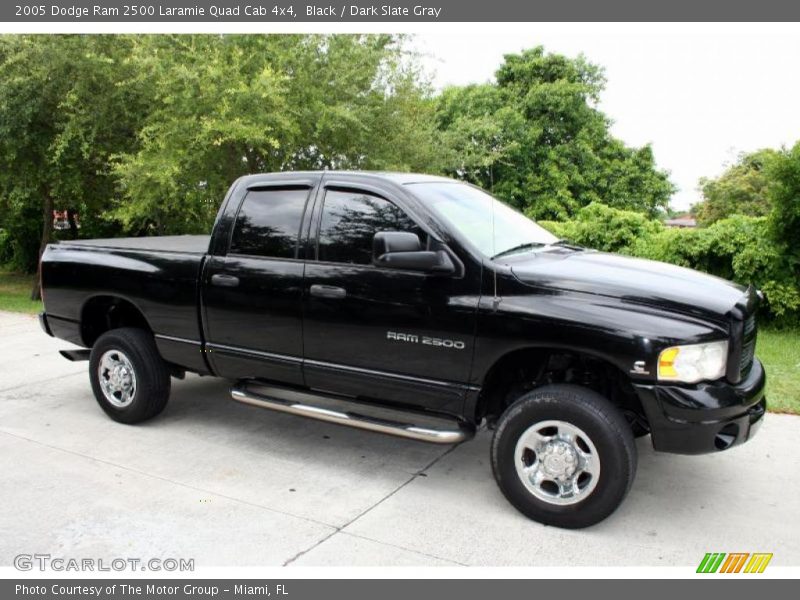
(635, 280)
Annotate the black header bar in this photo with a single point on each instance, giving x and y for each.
(395, 11)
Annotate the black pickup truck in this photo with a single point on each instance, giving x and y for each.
(422, 307)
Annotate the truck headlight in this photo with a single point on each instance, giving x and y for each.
(693, 363)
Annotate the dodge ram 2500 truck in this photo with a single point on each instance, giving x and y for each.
(422, 307)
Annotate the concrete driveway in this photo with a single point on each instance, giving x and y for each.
(232, 485)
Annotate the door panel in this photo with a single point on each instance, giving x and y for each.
(379, 340)
(252, 296)
(398, 336)
(255, 328)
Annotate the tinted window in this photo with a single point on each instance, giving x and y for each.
(351, 219)
(268, 223)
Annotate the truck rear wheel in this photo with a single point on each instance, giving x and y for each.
(563, 455)
(130, 380)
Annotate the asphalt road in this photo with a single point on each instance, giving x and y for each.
(233, 485)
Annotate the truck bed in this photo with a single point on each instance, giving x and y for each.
(191, 244)
(156, 277)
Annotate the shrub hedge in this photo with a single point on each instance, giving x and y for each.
(738, 248)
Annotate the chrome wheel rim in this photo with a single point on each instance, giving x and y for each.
(557, 462)
(117, 378)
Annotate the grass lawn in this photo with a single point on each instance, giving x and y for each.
(15, 293)
(778, 350)
(780, 353)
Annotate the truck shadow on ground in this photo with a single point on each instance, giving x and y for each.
(667, 485)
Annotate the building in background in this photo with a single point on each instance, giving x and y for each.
(681, 221)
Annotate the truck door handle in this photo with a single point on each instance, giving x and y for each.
(222, 280)
(328, 291)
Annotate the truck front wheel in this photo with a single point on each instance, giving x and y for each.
(563, 455)
(130, 380)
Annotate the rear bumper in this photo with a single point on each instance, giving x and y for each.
(65, 329)
(706, 417)
(43, 323)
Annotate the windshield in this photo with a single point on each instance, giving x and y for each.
(469, 210)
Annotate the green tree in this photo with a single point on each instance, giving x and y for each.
(61, 116)
(740, 190)
(359, 102)
(143, 134)
(218, 111)
(784, 195)
(537, 138)
(478, 133)
(225, 106)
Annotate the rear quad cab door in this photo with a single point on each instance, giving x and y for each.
(252, 293)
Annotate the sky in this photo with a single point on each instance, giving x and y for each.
(699, 94)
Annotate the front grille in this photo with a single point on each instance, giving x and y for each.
(748, 346)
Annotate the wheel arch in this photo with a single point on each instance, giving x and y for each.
(525, 368)
(104, 312)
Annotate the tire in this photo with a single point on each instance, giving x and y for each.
(596, 470)
(130, 380)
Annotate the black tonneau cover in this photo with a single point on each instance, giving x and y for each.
(193, 244)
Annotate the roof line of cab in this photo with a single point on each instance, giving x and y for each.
(394, 177)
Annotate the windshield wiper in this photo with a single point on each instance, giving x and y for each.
(519, 248)
(566, 244)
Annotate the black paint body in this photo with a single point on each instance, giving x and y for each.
(269, 326)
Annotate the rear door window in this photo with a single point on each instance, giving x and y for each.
(268, 223)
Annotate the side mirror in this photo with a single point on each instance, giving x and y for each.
(402, 250)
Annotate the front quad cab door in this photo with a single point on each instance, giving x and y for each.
(252, 289)
(382, 317)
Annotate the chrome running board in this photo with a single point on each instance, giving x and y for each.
(343, 411)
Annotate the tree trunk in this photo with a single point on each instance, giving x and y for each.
(47, 236)
(73, 224)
